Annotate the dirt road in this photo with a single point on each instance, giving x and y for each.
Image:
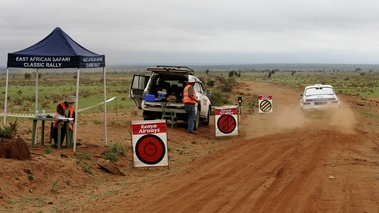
(282, 162)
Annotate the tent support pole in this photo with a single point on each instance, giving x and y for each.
(36, 100)
(76, 109)
(6, 98)
(105, 106)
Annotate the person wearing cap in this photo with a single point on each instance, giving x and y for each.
(64, 109)
(189, 100)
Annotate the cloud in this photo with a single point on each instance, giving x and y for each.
(145, 31)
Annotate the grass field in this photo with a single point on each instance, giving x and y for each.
(362, 84)
(53, 87)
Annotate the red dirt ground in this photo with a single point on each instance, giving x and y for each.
(281, 162)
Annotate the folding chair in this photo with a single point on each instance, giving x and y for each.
(167, 113)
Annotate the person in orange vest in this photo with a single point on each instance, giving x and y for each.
(189, 100)
(64, 109)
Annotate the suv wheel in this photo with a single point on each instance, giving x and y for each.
(206, 122)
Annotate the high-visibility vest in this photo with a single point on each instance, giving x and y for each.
(70, 114)
(186, 99)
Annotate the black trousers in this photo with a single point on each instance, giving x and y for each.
(55, 135)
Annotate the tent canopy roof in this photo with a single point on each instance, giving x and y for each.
(57, 50)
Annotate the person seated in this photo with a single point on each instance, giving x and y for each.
(65, 109)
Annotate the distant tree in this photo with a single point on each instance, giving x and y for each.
(207, 72)
(27, 76)
(211, 83)
(231, 73)
(358, 69)
(271, 73)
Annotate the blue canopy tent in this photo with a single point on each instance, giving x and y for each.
(57, 50)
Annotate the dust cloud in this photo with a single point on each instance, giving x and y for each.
(343, 119)
(287, 118)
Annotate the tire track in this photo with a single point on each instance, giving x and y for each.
(283, 170)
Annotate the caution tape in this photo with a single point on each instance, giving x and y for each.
(19, 115)
(111, 99)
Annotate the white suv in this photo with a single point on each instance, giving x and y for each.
(166, 84)
(319, 97)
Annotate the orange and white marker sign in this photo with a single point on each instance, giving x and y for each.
(149, 139)
(226, 120)
(265, 103)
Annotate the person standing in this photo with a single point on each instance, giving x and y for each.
(65, 109)
(189, 100)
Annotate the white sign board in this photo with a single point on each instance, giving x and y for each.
(265, 103)
(149, 139)
(226, 121)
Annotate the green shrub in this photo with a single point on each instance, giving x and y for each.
(5, 131)
(117, 148)
(114, 151)
(226, 85)
(9, 131)
(210, 83)
(81, 157)
(111, 156)
(48, 149)
(218, 99)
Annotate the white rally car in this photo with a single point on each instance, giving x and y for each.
(319, 97)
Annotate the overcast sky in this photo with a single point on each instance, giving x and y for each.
(201, 31)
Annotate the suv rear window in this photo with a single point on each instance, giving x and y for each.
(319, 91)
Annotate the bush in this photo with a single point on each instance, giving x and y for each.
(210, 83)
(118, 149)
(9, 131)
(218, 99)
(227, 85)
(5, 132)
(111, 156)
(113, 153)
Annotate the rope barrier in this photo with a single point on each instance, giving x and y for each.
(19, 115)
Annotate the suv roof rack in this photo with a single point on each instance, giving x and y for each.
(173, 68)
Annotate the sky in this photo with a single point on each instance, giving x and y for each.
(201, 31)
